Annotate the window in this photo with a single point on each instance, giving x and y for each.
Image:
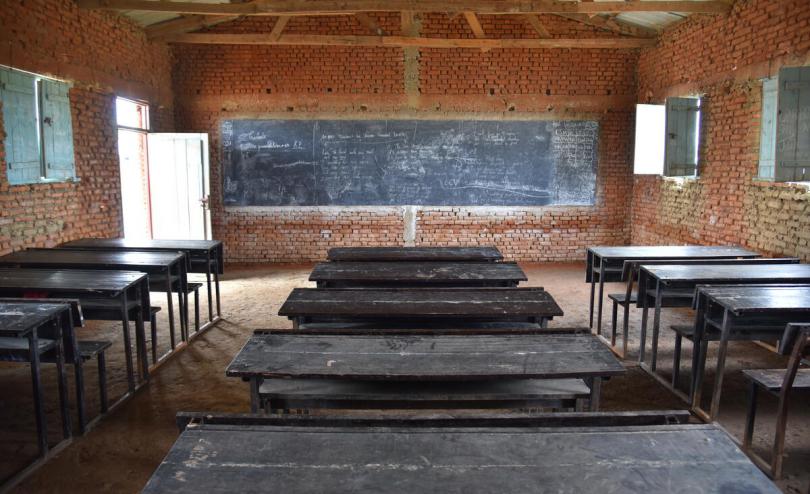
(650, 131)
(682, 139)
(784, 150)
(38, 128)
(133, 122)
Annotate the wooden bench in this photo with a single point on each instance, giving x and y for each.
(287, 394)
(781, 383)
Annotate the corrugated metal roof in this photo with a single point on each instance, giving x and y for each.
(652, 20)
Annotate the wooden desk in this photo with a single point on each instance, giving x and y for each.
(417, 274)
(387, 305)
(421, 254)
(605, 264)
(126, 289)
(571, 460)
(168, 265)
(204, 256)
(673, 285)
(757, 312)
(419, 358)
(26, 321)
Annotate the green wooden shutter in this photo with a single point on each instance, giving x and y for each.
(57, 130)
(767, 136)
(682, 124)
(22, 146)
(793, 125)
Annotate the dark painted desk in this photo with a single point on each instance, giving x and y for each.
(125, 288)
(416, 273)
(417, 358)
(422, 254)
(204, 256)
(571, 460)
(673, 285)
(387, 305)
(168, 265)
(757, 312)
(26, 321)
(605, 264)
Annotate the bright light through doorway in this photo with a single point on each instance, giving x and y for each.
(133, 123)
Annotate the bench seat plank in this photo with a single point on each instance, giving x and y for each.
(417, 273)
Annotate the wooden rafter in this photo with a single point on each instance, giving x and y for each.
(538, 26)
(331, 7)
(370, 23)
(612, 25)
(408, 22)
(475, 26)
(409, 41)
(185, 24)
(278, 27)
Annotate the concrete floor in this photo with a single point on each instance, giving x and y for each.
(120, 454)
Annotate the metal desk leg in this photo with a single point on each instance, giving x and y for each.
(208, 283)
(61, 381)
(656, 326)
(140, 340)
(596, 393)
(601, 294)
(216, 287)
(589, 267)
(39, 398)
(643, 337)
(721, 364)
(181, 268)
(127, 343)
(171, 304)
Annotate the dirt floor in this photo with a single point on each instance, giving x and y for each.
(122, 451)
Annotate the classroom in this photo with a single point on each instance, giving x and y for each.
(338, 246)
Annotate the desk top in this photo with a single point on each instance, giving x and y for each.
(421, 302)
(424, 357)
(138, 244)
(728, 273)
(296, 460)
(417, 272)
(414, 254)
(69, 280)
(91, 259)
(752, 299)
(670, 252)
(17, 319)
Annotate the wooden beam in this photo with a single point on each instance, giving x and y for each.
(475, 25)
(537, 25)
(370, 23)
(333, 7)
(407, 19)
(612, 25)
(185, 24)
(278, 27)
(407, 41)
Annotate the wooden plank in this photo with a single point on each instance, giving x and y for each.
(406, 41)
(324, 7)
(92, 259)
(417, 273)
(17, 319)
(729, 273)
(369, 23)
(69, 280)
(760, 299)
(425, 357)
(278, 27)
(185, 24)
(642, 252)
(613, 25)
(448, 254)
(422, 303)
(222, 458)
(537, 25)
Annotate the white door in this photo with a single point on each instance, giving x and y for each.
(179, 186)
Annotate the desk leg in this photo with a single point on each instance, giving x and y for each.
(216, 287)
(601, 294)
(645, 310)
(722, 350)
(255, 382)
(127, 343)
(140, 339)
(61, 380)
(39, 398)
(596, 393)
(171, 304)
(656, 326)
(589, 267)
(208, 282)
(181, 267)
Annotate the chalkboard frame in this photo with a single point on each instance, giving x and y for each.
(592, 186)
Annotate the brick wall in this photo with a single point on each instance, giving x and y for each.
(724, 59)
(213, 83)
(103, 55)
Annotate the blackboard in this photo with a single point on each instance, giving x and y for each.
(408, 162)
